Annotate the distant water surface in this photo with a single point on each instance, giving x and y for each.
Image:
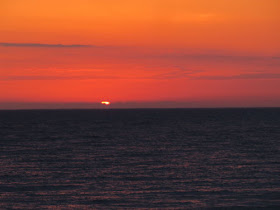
(140, 158)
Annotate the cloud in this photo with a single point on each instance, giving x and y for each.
(215, 56)
(4, 44)
(49, 77)
(241, 76)
(177, 73)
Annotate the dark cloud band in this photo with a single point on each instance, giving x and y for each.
(4, 44)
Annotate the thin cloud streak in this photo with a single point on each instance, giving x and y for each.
(12, 78)
(171, 75)
(4, 44)
(241, 76)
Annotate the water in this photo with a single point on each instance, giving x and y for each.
(173, 158)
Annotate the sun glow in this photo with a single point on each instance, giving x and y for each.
(105, 102)
(139, 54)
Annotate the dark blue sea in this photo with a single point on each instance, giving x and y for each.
(140, 158)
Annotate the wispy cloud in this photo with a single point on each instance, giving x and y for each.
(241, 76)
(50, 77)
(6, 44)
(215, 56)
(176, 74)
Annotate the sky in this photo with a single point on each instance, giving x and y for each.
(140, 53)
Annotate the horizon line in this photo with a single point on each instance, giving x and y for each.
(132, 108)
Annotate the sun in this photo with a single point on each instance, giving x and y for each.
(105, 102)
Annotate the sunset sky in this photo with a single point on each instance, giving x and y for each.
(139, 53)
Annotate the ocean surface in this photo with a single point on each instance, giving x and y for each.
(140, 158)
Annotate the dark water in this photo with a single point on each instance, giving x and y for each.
(180, 158)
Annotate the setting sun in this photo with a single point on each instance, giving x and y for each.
(105, 102)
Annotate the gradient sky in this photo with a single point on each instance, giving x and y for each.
(157, 53)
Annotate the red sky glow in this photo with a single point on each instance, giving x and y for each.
(141, 53)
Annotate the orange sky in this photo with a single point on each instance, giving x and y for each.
(209, 52)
